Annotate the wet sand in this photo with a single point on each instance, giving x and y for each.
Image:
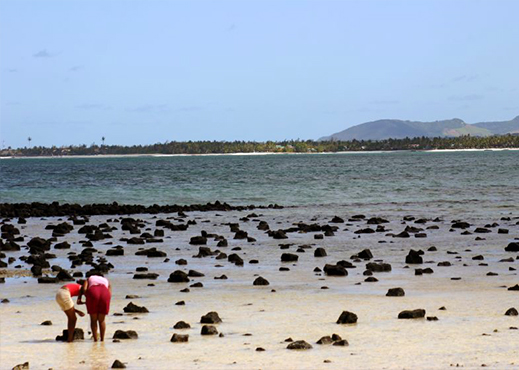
(472, 331)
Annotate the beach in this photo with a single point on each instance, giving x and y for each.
(299, 303)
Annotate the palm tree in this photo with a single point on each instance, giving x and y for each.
(103, 140)
(29, 139)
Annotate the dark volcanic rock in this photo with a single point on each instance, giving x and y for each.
(278, 234)
(178, 277)
(515, 287)
(325, 340)
(342, 342)
(46, 323)
(512, 247)
(133, 308)
(364, 255)
(125, 334)
(210, 318)
(395, 292)
(194, 273)
(378, 267)
(240, 234)
(335, 270)
(413, 257)
(365, 231)
(260, 281)
(198, 240)
(180, 338)
(299, 345)
(118, 365)
(208, 330)
(347, 317)
(377, 221)
(403, 234)
(182, 325)
(64, 276)
(149, 275)
(412, 314)
(460, 225)
(115, 252)
(337, 220)
(63, 245)
(511, 312)
(78, 335)
(289, 257)
(234, 258)
(320, 252)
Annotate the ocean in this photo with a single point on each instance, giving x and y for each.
(481, 181)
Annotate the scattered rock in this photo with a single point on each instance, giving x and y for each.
(24, 366)
(289, 257)
(118, 365)
(320, 252)
(181, 325)
(395, 292)
(299, 344)
(209, 330)
(347, 317)
(412, 314)
(180, 338)
(335, 270)
(210, 318)
(178, 277)
(261, 281)
(133, 308)
(511, 312)
(78, 335)
(125, 334)
(325, 340)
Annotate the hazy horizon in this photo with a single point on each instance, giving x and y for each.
(143, 72)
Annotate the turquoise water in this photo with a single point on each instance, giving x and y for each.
(477, 179)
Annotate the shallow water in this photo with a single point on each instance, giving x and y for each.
(479, 182)
(299, 308)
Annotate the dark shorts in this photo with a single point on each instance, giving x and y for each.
(98, 300)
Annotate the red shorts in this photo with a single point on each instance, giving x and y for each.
(98, 300)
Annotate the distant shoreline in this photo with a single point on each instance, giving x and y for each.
(261, 153)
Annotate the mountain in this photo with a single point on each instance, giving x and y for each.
(501, 128)
(398, 129)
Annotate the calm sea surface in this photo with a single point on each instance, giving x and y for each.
(459, 180)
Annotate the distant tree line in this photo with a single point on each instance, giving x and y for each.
(286, 146)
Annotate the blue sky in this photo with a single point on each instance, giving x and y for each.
(142, 72)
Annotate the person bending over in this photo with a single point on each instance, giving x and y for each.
(64, 299)
(98, 292)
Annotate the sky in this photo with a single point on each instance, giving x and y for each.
(144, 72)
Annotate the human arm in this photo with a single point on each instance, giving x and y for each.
(81, 292)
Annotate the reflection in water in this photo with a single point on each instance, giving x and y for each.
(97, 356)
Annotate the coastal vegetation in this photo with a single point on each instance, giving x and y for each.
(286, 146)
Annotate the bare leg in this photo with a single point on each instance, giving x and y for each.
(80, 313)
(102, 326)
(93, 325)
(71, 323)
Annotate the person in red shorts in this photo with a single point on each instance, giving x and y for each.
(64, 300)
(98, 292)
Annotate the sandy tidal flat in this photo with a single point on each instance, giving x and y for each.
(300, 304)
